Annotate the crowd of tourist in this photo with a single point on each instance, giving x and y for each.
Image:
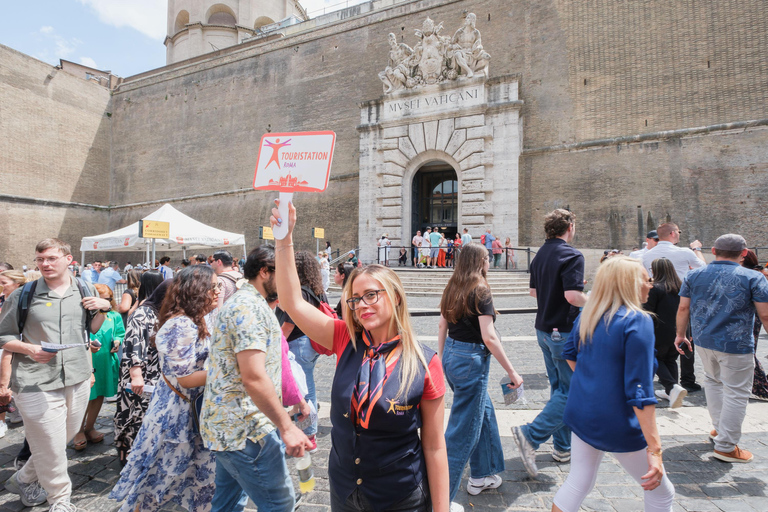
(435, 250)
(212, 369)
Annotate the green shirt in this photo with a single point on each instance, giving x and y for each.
(59, 320)
(229, 416)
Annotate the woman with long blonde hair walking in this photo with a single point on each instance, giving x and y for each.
(611, 404)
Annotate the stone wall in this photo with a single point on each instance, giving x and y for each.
(709, 184)
(587, 71)
(54, 150)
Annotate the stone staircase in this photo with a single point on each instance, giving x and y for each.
(431, 282)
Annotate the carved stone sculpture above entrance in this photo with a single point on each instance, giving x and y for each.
(435, 58)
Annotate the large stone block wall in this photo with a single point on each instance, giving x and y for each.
(588, 70)
(707, 184)
(54, 146)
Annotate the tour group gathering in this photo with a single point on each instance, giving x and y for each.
(211, 368)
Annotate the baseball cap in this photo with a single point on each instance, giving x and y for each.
(730, 242)
(652, 234)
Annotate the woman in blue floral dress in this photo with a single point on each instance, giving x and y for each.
(168, 463)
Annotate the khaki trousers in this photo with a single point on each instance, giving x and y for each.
(728, 385)
(51, 420)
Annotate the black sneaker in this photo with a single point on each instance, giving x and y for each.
(691, 387)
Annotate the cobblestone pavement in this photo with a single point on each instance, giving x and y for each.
(702, 483)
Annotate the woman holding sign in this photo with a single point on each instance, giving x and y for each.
(386, 387)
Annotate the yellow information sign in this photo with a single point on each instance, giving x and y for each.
(265, 233)
(318, 232)
(154, 229)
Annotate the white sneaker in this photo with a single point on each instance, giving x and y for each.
(660, 393)
(31, 495)
(527, 453)
(455, 507)
(63, 506)
(477, 485)
(3, 429)
(676, 396)
(561, 456)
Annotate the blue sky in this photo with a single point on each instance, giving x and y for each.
(122, 36)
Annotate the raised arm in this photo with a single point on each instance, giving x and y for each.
(317, 326)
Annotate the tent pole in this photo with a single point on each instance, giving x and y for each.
(145, 241)
(153, 254)
(183, 252)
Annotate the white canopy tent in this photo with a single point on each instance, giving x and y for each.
(185, 234)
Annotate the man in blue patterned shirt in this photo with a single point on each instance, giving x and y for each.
(721, 300)
(243, 419)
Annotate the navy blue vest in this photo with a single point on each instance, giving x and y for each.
(386, 460)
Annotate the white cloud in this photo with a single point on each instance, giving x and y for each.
(87, 61)
(147, 16)
(63, 47)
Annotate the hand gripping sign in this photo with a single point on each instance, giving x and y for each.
(293, 162)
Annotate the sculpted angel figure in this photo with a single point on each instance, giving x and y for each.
(466, 49)
(398, 70)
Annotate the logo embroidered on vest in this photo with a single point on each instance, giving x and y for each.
(397, 410)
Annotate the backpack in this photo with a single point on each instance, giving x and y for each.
(28, 291)
(327, 310)
(482, 239)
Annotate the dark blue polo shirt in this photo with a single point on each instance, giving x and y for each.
(556, 268)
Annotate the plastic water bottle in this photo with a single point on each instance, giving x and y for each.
(556, 336)
(306, 475)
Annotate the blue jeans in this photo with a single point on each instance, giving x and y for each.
(306, 357)
(259, 471)
(472, 434)
(549, 422)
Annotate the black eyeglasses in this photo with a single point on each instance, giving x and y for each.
(370, 298)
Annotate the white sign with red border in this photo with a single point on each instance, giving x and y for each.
(294, 162)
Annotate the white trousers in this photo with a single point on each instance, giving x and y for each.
(727, 385)
(585, 461)
(51, 420)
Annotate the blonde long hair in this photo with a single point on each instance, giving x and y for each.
(412, 355)
(618, 282)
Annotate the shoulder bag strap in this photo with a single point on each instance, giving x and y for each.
(173, 388)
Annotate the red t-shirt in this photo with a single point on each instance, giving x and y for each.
(434, 383)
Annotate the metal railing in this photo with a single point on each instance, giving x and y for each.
(335, 7)
(513, 259)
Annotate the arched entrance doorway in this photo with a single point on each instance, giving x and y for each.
(435, 196)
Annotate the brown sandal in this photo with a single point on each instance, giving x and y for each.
(80, 445)
(94, 436)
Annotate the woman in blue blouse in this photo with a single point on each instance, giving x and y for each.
(611, 404)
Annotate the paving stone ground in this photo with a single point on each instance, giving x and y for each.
(702, 484)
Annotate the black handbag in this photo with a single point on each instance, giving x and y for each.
(196, 405)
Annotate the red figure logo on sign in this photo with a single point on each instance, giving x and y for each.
(276, 147)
